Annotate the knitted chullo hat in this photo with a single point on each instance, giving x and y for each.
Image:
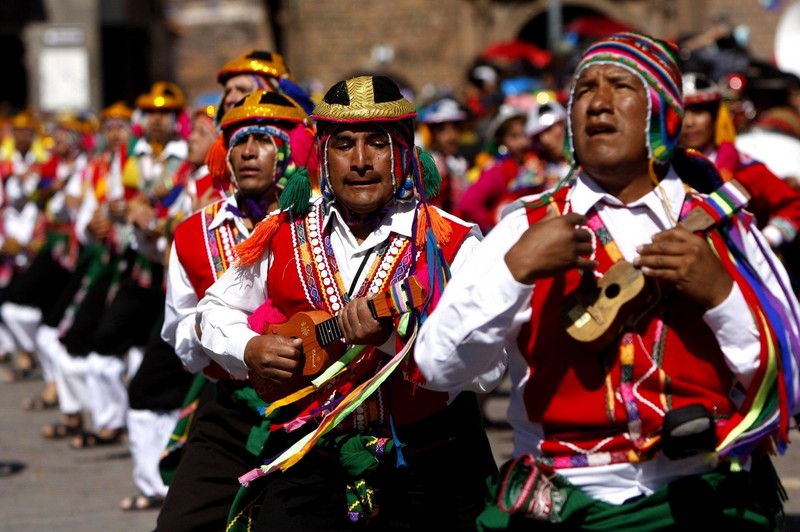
(365, 99)
(654, 62)
(278, 118)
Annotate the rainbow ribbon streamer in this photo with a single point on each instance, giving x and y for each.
(773, 394)
(296, 452)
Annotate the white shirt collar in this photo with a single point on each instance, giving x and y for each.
(587, 193)
(224, 215)
(399, 219)
(174, 148)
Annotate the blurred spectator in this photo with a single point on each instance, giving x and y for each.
(442, 122)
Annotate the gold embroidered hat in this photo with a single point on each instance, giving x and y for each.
(259, 62)
(364, 99)
(263, 105)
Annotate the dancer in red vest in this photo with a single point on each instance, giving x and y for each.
(372, 446)
(664, 423)
(256, 144)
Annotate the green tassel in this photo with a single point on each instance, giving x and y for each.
(431, 179)
(297, 192)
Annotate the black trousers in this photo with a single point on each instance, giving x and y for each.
(160, 383)
(111, 327)
(206, 481)
(40, 284)
(444, 487)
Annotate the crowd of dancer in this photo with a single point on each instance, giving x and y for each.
(161, 266)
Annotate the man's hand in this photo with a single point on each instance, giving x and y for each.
(142, 215)
(360, 328)
(100, 225)
(686, 260)
(550, 247)
(118, 209)
(274, 358)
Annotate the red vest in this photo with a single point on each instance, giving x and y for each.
(575, 393)
(205, 255)
(406, 401)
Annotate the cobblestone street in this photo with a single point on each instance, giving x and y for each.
(46, 485)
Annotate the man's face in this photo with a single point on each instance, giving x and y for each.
(23, 139)
(360, 166)
(237, 88)
(446, 137)
(62, 143)
(253, 160)
(698, 128)
(551, 142)
(116, 135)
(200, 140)
(515, 139)
(609, 116)
(158, 126)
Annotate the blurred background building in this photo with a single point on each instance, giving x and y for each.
(79, 55)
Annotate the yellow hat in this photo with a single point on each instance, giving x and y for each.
(163, 95)
(117, 110)
(258, 62)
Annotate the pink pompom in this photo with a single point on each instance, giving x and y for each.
(265, 315)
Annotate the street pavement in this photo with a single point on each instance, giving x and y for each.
(45, 485)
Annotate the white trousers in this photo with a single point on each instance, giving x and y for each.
(70, 374)
(148, 435)
(108, 396)
(7, 343)
(23, 321)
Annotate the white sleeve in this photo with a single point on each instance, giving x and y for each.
(222, 314)
(84, 216)
(179, 317)
(732, 322)
(482, 308)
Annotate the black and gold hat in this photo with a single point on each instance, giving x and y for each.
(264, 105)
(163, 95)
(259, 62)
(364, 99)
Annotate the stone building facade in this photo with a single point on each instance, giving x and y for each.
(134, 42)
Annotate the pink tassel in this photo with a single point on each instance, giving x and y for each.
(265, 315)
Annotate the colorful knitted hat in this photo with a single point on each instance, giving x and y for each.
(267, 113)
(654, 62)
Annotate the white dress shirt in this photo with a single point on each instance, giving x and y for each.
(181, 300)
(484, 307)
